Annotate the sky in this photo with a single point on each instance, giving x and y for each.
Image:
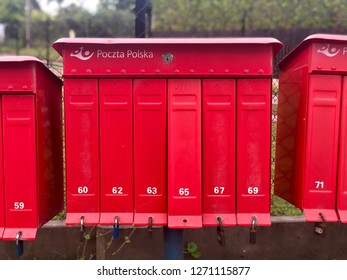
(52, 7)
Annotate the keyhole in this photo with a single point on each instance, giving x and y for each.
(167, 57)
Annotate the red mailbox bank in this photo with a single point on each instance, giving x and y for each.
(168, 131)
(311, 164)
(31, 157)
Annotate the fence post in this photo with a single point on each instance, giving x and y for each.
(140, 18)
(173, 239)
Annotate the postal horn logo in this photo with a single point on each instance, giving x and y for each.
(82, 54)
(329, 51)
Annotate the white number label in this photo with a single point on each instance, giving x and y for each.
(319, 185)
(117, 190)
(82, 189)
(253, 190)
(152, 190)
(218, 190)
(19, 205)
(183, 191)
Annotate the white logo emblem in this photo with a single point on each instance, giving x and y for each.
(82, 55)
(330, 52)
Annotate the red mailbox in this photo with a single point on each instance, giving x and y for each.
(31, 146)
(311, 141)
(2, 189)
(172, 116)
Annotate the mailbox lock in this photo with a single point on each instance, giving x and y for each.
(167, 57)
(253, 231)
(150, 224)
(116, 227)
(116, 221)
(82, 222)
(19, 244)
(82, 229)
(18, 236)
(220, 232)
(320, 227)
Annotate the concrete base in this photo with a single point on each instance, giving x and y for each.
(288, 238)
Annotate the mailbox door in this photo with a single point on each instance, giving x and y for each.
(2, 189)
(150, 144)
(323, 120)
(342, 166)
(116, 151)
(82, 151)
(19, 152)
(184, 153)
(219, 151)
(253, 151)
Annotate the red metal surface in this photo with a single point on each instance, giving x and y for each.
(150, 148)
(253, 151)
(310, 159)
(341, 203)
(307, 143)
(49, 132)
(31, 140)
(116, 150)
(2, 189)
(184, 154)
(82, 151)
(291, 130)
(328, 54)
(19, 143)
(219, 151)
(191, 57)
(322, 138)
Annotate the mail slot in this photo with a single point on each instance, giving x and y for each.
(311, 131)
(31, 156)
(170, 131)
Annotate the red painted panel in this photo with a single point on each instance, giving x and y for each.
(184, 153)
(2, 189)
(219, 151)
(290, 134)
(150, 147)
(253, 151)
(82, 151)
(342, 167)
(19, 152)
(116, 151)
(322, 140)
(49, 134)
